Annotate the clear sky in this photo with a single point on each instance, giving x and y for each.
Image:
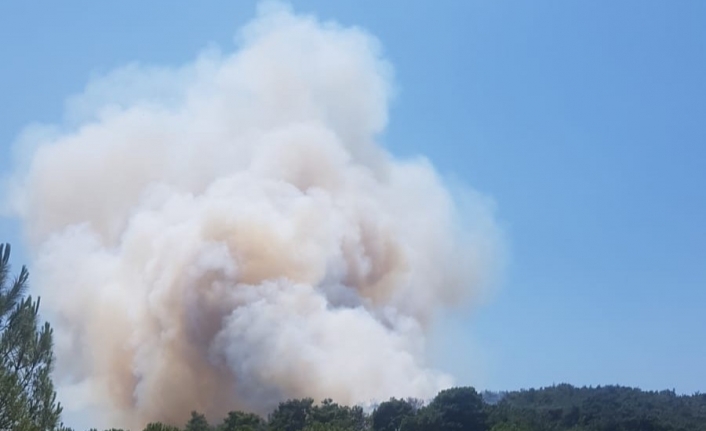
(584, 121)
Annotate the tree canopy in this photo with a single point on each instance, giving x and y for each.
(556, 408)
(27, 396)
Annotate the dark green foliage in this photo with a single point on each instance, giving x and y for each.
(240, 421)
(298, 415)
(331, 416)
(456, 409)
(27, 397)
(607, 408)
(291, 415)
(318, 426)
(158, 426)
(390, 415)
(197, 422)
(557, 408)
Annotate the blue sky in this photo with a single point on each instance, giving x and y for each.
(584, 121)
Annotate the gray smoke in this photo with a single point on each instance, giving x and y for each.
(229, 234)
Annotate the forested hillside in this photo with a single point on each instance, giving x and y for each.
(562, 407)
(604, 408)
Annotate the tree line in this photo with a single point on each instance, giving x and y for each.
(556, 408)
(28, 399)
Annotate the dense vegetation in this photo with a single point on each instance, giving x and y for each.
(27, 397)
(28, 400)
(604, 408)
(562, 407)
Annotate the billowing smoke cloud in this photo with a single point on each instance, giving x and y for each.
(228, 234)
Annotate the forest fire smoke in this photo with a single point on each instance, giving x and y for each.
(229, 234)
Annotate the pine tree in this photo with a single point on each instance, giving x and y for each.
(27, 396)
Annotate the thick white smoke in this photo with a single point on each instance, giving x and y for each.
(229, 234)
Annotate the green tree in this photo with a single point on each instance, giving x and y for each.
(318, 426)
(460, 409)
(158, 426)
(390, 414)
(197, 422)
(455, 409)
(291, 415)
(241, 421)
(332, 416)
(27, 396)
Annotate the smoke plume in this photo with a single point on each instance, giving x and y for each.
(228, 234)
